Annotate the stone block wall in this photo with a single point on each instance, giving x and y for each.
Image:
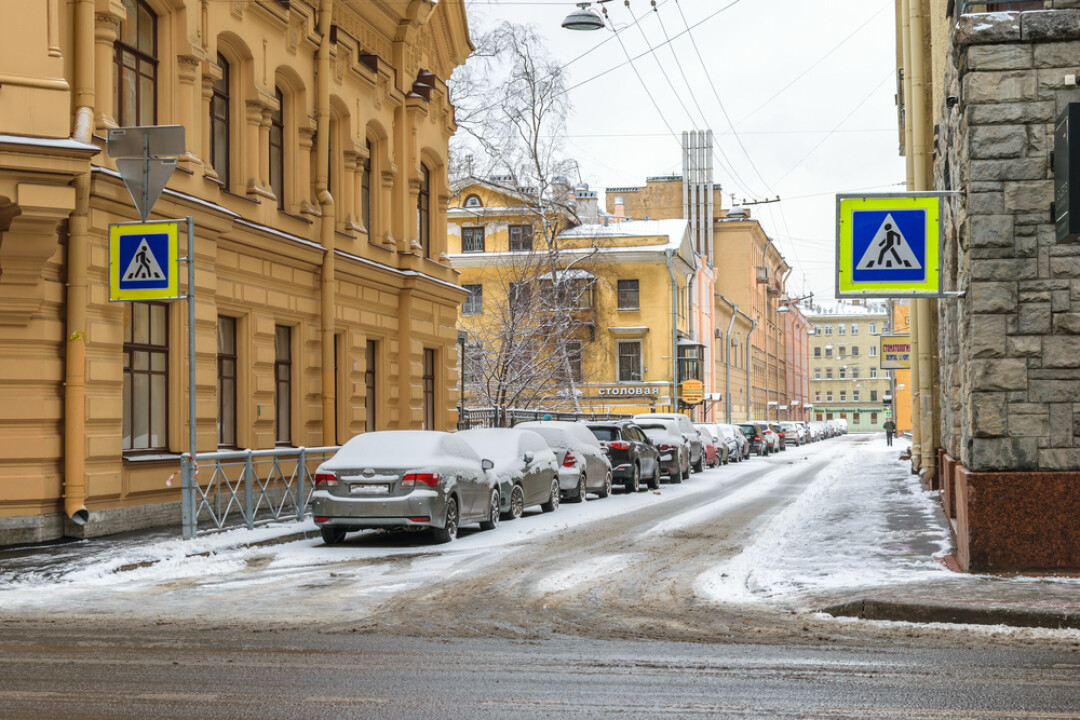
(1010, 347)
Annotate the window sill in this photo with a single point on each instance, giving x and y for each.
(146, 457)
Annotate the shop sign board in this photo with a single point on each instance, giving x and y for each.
(895, 352)
(692, 392)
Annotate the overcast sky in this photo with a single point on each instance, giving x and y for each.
(808, 86)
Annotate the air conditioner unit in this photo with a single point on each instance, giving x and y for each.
(718, 333)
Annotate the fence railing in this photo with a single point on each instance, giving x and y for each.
(242, 487)
(968, 7)
(508, 417)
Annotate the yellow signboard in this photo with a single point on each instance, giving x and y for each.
(888, 245)
(692, 392)
(143, 261)
(895, 352)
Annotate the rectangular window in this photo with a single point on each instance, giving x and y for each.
(843, 373)
(855, 417)
(429, 389)
(817, 352)
(573, 353)
(219, 123)
(423, 211)
(828, 373)
(472, 240)
(843, 350)
(817, 374)
(840, 328)
(854, 351)
(226, 385)
(854, 328)
(873, 372)
(873, 418)
(843, 395)
(828, 329)
(873, 396)
(521, 238)
(855, 395)
(828, 352)
(146, 376)
(282, 385)
(817, 396)
(828, 396)
(135, 67)
(370, 357)
(854, 373)
(520, 297)
(474, 303)
(873, 328)
(873, 351)
(630, 361)
(628, 295)
(277, 149)
(365, 192)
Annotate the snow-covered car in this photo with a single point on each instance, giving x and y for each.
(804, 431)
(673, 447)
(725, 450)
(746, 448)
(404, 479)
(583, 466)
(686, 427)
(730, 437)
(525, 467)
(792, 434)
(817, 431)
(634, 458)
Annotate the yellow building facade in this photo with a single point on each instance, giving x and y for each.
(315, 172)
(632, 311)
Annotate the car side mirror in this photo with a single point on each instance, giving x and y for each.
(528, 458)
(486, 464)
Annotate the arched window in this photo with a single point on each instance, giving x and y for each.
(365, 191)
(135, 66)
(219, 123)
(277, 149)
(423, 211)
(473, 201)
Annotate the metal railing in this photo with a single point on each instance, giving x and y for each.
(508, 417)
(242, 487)
(968, 7)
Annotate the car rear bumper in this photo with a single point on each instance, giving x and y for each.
(380, 512)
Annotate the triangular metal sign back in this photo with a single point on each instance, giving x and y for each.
(145, 180)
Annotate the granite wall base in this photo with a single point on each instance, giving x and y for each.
(1017, 521)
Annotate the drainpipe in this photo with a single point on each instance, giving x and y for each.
(750, 370)
(669, 254)
(727, 364)
(326, 225)
(77, 262)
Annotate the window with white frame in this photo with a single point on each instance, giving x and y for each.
(854, 328)
(873, 373)
(630, 361)
(840, 329)
(873, 328)
(873, 351)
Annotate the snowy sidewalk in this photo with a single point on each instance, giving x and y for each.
(866, 540)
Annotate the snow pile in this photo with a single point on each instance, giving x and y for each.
(866, 521)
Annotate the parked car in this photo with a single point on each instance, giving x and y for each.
(804, 431)
(743, 443)
(583, 466)
(632, 454)
(404, 479)
(725, 451)
(791, 433)
(760, 436)
(673, 447)
(697, 447)
(525, 467)
(842, 424)
(779, 440)
(817, 431)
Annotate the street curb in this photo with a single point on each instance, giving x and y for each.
(269, 542)
(877, 609)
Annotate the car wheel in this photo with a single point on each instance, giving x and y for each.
(580, 496)
(635, 481)
(606, 490)
(493, 512)
(332, 535)
(699, 466)
(553, 500)
(517, 504)
(654, 482)
(449, 531)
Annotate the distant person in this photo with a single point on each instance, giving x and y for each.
(889, 427)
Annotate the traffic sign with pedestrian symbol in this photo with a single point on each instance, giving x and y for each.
(888, 245)
(143, 261)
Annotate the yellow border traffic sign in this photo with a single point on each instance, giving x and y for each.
(929, 206)
(167, 288)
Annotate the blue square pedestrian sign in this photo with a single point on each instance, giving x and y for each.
(888, 245)
(143, 261)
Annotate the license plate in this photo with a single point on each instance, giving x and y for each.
(369, 489)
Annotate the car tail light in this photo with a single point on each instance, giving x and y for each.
(429, 479)
(667, 448)
(325, 480)
(321, 519)
(619, 445)
(780, 434)
(422, 518)
(569, 460)
(757, 438)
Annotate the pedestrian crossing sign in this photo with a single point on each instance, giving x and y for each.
(888, 245)
(143, 261)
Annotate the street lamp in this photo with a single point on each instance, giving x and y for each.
(785, 305)
(584, 18)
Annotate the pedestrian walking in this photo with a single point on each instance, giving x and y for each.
(889, 427)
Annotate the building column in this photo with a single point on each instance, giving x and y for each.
(106, 31)
(210, 74)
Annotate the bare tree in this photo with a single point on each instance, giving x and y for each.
(511, 108)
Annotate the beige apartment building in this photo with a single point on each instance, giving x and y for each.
(315, 171)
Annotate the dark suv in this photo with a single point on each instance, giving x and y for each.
(633, 455)
(756, 433)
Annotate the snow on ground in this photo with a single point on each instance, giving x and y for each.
(586, 571)
(864, 521)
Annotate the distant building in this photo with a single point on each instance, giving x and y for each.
(847, 382)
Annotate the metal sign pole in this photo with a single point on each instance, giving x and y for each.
(188, 507)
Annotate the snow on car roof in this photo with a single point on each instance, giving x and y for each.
(400, 448)
(495, 444)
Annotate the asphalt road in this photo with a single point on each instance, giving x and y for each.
(592, 615)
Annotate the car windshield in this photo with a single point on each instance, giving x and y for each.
(746, 430)
(605, 434)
